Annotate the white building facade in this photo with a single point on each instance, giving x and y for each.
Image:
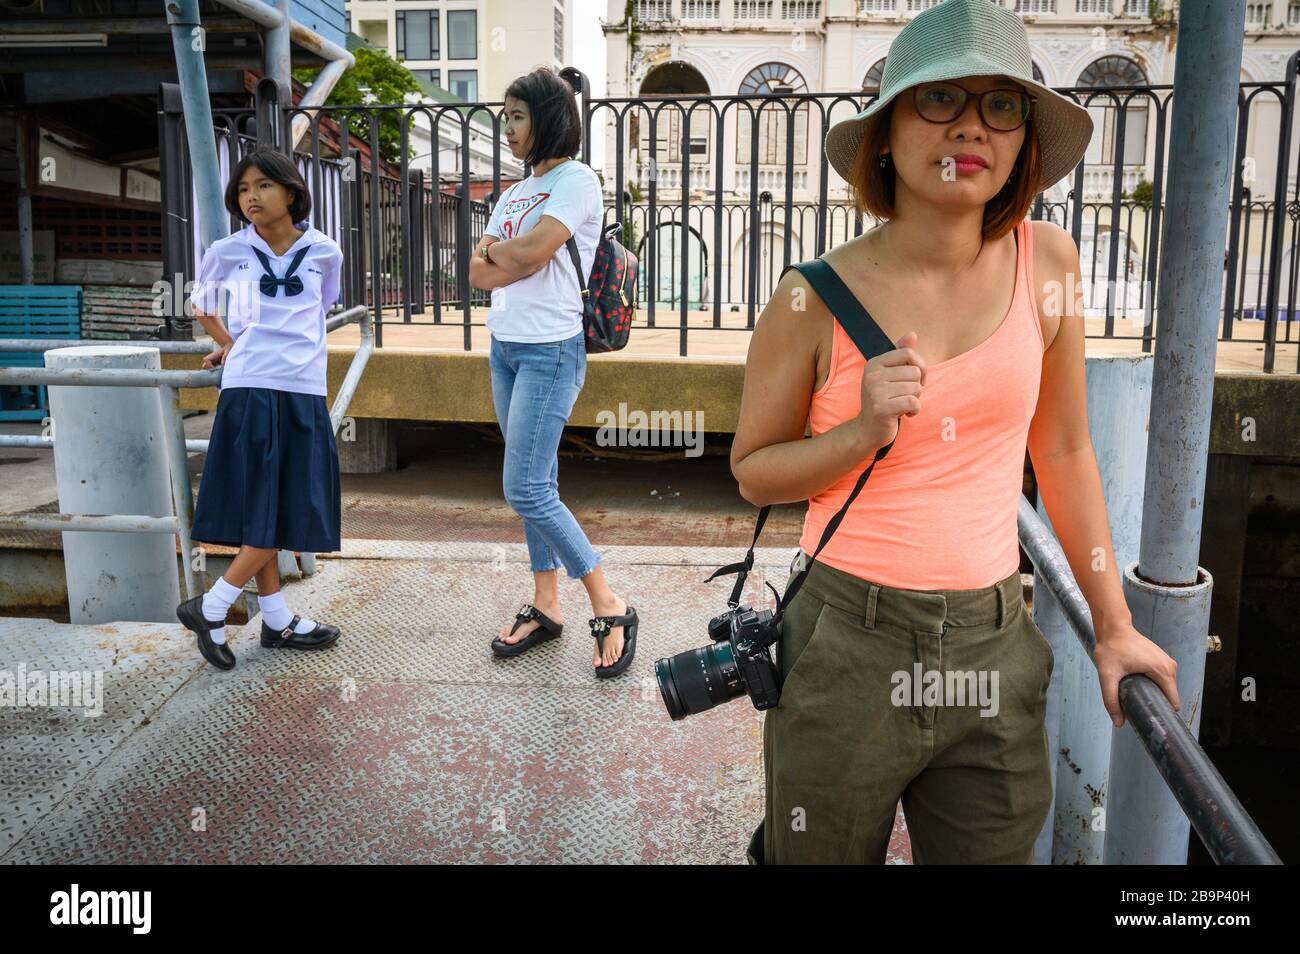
(738, 47)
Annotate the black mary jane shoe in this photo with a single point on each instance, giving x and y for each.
(547, 629)
(318, 638)
(600, 629)
(190, 613)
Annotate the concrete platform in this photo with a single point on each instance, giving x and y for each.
(728, 341)
(407, 741)
(48, 752)
(424, 373)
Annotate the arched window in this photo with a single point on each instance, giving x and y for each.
(871, 82)
(773, 118)
(666, 81)
(670, 283)
(772, 78)
(1038, 74)
(1108, 72)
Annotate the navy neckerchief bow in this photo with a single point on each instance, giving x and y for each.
(291, 282)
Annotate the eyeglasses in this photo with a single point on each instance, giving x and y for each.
(1001, 109)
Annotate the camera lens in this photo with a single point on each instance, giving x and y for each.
(699, 679)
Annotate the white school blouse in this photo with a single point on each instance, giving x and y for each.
(279, 341)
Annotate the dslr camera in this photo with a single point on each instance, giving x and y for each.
(736, 661)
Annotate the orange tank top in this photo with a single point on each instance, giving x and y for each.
(939, 511)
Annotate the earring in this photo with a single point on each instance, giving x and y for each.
(883, 160)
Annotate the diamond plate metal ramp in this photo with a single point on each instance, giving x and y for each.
(410, 741)
(45, 750)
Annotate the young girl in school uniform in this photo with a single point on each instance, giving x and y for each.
(271, 479)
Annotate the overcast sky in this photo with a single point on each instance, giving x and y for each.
(589, 56)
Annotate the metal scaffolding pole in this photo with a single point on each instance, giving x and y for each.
(276, 68)
(188, 42)
(1167, 591)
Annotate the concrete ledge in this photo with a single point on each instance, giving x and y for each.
(454, 386)
(1256, 414)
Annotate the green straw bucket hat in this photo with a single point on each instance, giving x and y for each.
(960, 38)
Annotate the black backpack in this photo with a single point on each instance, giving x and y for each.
(871, 341)
(609, 300)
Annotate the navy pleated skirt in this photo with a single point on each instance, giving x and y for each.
(271, 478)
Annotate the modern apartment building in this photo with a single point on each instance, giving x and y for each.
(471, 48)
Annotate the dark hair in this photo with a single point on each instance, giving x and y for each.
(873, 186)
(555, 121)
(277, 167)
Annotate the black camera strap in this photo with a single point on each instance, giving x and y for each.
(871, 341)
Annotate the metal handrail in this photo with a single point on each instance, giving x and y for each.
(45, 344)
(1224, 826)
(169, 383)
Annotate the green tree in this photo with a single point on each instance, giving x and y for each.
(1143, 193)
(376, 79)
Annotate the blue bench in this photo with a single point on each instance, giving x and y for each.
(34, 311)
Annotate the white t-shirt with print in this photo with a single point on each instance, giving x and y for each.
(279, 342)
(547, 305)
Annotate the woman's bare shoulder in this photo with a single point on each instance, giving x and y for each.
(860, 255)
(794, 334)
(793, 315)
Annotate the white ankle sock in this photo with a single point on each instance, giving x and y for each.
(216, 603)
(277, 616)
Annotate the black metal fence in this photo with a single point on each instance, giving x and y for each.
(716, 194)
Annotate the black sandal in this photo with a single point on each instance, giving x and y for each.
(547, 630)
(600, 627)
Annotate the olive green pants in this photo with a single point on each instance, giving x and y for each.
(934, 697)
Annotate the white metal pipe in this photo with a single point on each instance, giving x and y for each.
(169, 399)
(26, 440)
(45, 344)
(110, 377)
(268, 16)
(183, 18)
(89, 523)
(316, 95)
(254, 10)
(340, 60)
(47, 443)
(337, 321)
(349, 386)
(277, 55)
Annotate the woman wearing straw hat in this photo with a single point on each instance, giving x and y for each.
(912, 669)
